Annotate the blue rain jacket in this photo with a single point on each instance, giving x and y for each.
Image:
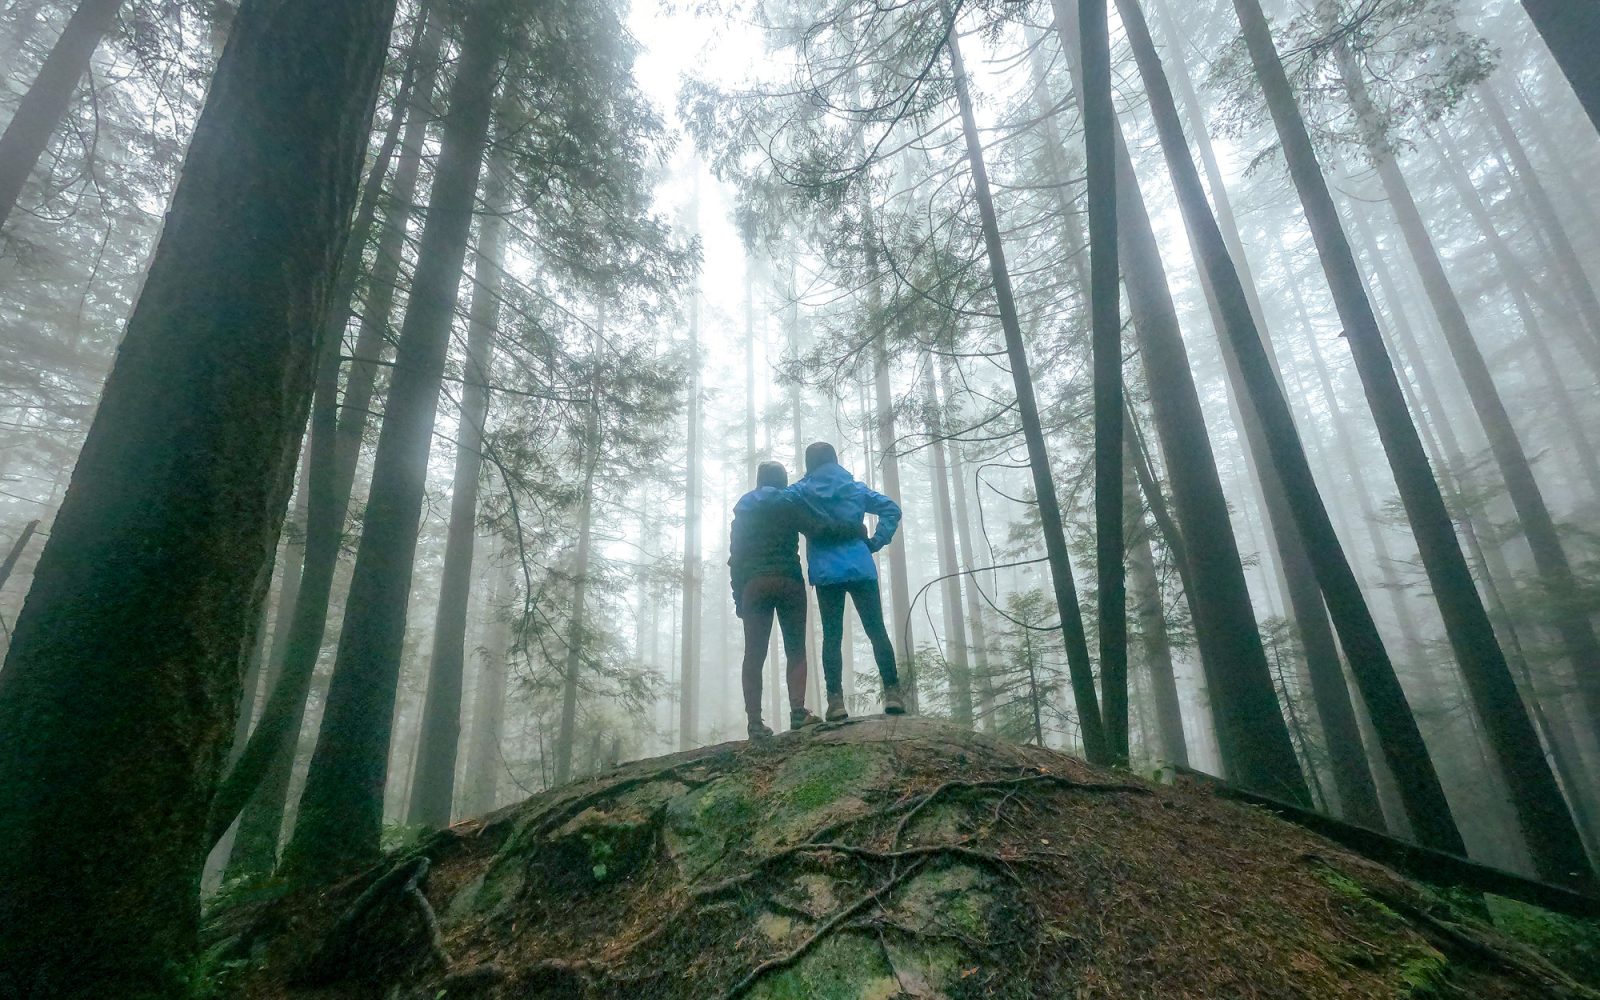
(833, 494)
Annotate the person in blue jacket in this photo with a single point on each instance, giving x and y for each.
(843, 566)
(764, 571)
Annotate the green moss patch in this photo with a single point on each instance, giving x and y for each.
(844, 967)
(705, 824)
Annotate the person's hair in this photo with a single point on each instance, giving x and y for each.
(818, 454)
(772, 474)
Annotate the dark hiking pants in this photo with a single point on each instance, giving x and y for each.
(869, 608)
(763, 597)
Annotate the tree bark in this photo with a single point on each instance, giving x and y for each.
(340, 818)
(158, 560)
(976, 629)
(1518, 284)
(41, 109)
(1352, 775)
(1099, 121)
(1571, 28)
(889, 456)
(1584, 298)
(1151, 613)
(1080, 669)
(433, 781)
(1466, 621)
(258, 781)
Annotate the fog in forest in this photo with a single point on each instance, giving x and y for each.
(1237, 374)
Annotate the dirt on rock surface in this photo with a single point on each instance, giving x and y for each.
(875, 859)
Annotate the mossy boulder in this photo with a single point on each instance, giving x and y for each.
(886, 859)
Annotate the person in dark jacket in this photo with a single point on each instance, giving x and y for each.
(843, 566)
(764, 569)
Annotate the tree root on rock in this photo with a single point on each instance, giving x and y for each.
(356, 945)
(833, 923)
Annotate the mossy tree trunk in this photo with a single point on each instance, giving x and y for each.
(119, 693)
(258, 782)
(340, 818)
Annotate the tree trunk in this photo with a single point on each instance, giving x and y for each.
(750, 458)
(287, 567)
(976, 629)
(483, 768)
(1571, 28)
(160, 555)
(813, 641)
(293, 562)
(1557, 156)
(1151, 613)
(15, 552)
(1352, 775)
(950, 587)
(889, 456)
(578, 626)
(1080, 669)
(1518, 286)
(1566, 260)
(433, 782)
(1099, 122)
(1350, 457)
(689, 657)
(340, 818)
(41, 109)
(259, 779)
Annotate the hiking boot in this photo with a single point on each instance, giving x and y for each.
(836, 710)
(800, 718)
(759, 730)
(893, 703)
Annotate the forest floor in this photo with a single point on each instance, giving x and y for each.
(876, 859)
